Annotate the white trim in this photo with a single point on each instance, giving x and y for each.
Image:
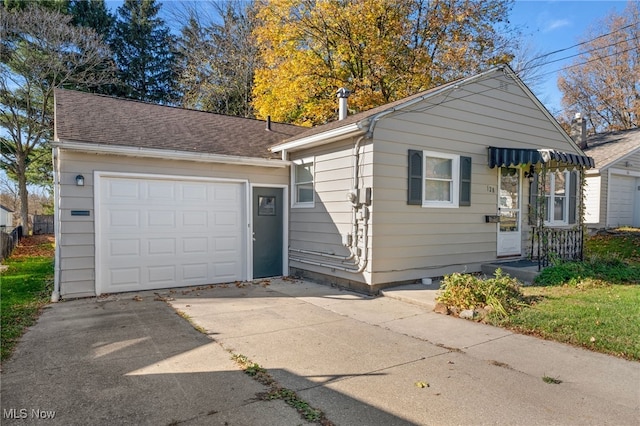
(285, 226)
(501, 234)
(169, 154)
(98, 175)
(320, 138)
(624, 172)
(567, 200)
(455, 180)
(294, 194)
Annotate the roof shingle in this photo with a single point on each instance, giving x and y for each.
(105, 120)
(606, 148)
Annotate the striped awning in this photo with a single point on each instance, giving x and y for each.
(505, 157)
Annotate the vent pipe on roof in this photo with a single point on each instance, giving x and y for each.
(579, 130)
(268, 123)
(343, 94)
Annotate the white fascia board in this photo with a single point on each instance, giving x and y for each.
(170, 154)
(320, 138)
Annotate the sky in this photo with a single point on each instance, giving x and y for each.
(551, 25)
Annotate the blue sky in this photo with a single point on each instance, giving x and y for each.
(551, 25)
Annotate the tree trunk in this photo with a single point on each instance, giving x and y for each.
(23, 193)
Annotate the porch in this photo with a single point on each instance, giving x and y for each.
(545, 246)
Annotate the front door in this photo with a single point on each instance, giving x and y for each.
(267, 232)
(509, 228)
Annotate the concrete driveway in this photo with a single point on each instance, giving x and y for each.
(129, 359)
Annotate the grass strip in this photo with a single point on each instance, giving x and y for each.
(25, 287)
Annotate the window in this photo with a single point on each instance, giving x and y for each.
(439, 179)
(302, 179)
(560, 198)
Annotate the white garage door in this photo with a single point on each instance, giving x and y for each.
(157, 233)
(621, 201)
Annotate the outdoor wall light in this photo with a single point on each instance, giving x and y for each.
(79, 180)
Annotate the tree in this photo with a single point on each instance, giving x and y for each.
(93, 14)
(144, 52)
(40, 50)
(381, 50)
(603, 83)
(217, 59)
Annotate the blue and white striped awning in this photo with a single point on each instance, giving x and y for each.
(505, 157)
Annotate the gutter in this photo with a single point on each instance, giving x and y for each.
(169, 153)
(333, 135)
(55, 295)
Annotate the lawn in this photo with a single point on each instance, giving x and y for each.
(25, 287)
(594, 304)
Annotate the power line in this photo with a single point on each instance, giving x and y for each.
(526, 68)
(584, 42)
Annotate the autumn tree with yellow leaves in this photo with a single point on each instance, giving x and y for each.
(381, 50)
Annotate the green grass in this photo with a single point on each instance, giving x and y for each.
(25, 287)
(594, 304)
(594, 314)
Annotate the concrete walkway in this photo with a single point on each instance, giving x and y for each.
(128, 359)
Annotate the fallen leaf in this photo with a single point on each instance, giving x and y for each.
(422, 384)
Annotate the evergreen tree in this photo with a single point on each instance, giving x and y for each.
(93, 14)
(144, 52)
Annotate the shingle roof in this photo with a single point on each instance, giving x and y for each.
(606, 148)
(99, 119)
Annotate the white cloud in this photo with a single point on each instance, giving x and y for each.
(555, 24)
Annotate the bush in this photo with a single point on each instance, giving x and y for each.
(608, 267)
(500, 295)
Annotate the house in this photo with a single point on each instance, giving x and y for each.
(612, 193)
(6, 217)
(443, 181)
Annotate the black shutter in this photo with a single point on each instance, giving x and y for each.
(414, 194)
(533, 200)
(465, 181)
(573, 197)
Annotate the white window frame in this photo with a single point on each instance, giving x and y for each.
(294, 185)
(455, 180)
(549, 214)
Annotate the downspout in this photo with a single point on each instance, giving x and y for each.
(55, 296)
(360, 261)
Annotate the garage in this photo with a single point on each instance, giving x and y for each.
(159, 232)
(622, 195)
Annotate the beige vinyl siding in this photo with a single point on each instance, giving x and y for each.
(321, 228)
(77, 244)
(411, 241)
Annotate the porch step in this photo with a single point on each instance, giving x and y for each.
(522, 269)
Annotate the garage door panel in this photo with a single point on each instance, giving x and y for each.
(163, 233)
(124, 218)
(124, 277)
(161, 246)
(128, 247)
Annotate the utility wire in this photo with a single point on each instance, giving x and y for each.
(582, 43)
(579, 54)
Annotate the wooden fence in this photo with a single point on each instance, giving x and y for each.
(8, 241)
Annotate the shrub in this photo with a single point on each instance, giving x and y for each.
(609, 267)
(499, 295)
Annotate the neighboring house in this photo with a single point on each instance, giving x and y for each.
(612, 195)
(435, 183)
(6, 217)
